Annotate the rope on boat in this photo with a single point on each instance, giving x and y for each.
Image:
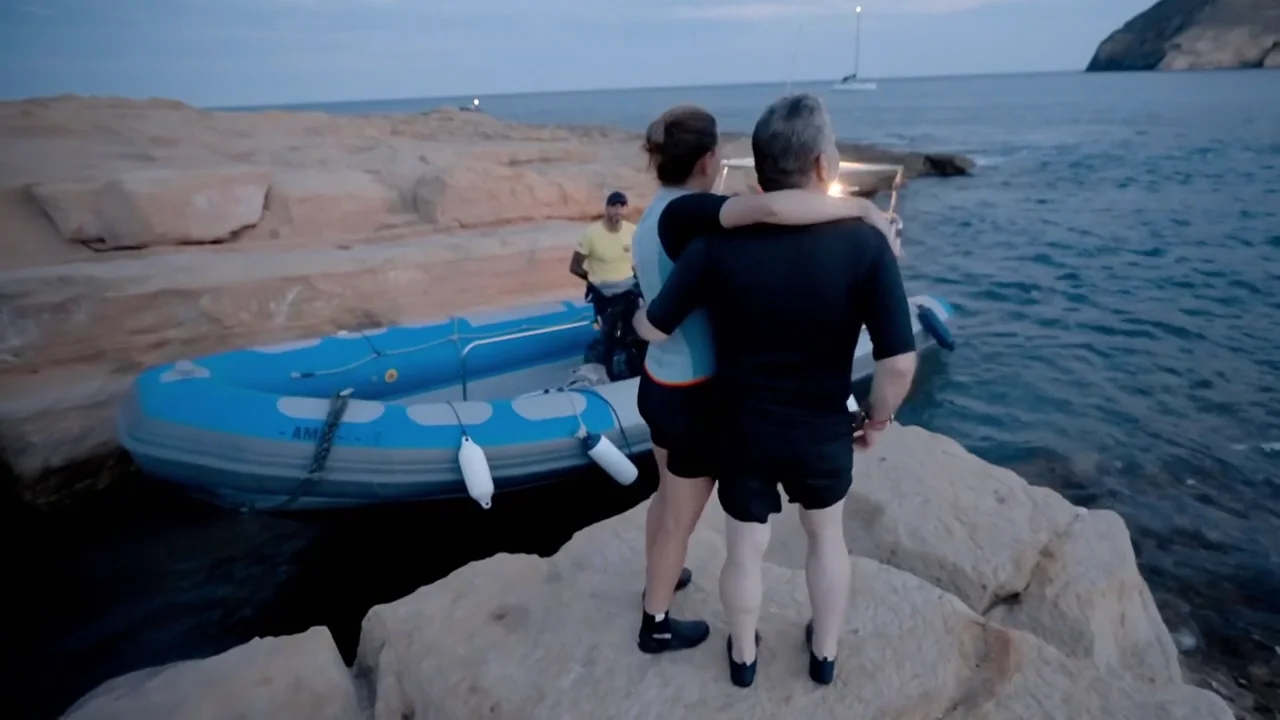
(319, 457)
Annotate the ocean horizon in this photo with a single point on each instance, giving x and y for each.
(570, 91)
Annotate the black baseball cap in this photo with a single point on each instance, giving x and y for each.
(616, 198)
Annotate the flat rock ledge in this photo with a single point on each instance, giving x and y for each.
(975, 596)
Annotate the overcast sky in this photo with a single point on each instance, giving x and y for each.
(246, 52)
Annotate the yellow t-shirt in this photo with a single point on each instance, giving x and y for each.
(608, 253)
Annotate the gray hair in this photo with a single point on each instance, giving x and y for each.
(789, 138)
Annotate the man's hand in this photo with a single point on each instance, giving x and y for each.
(866, 438)
(577, 265)
(645, 329)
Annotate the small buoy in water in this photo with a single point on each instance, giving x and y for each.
(936, 327)
(475, 472)
(608, 456)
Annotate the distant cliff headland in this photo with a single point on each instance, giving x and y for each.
(1195, 35)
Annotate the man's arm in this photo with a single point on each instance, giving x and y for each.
(578, 263)
(681, 294)
(708, 214)
(887, 311)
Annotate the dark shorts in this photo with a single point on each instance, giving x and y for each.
(814, 469)
(682, 421)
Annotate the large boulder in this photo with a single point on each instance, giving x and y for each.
(1019, 554)
(144, 208)
(1087, 598)
(330, 202)
(299, 677)
(472, 194)
(973, 529)
(520, 637)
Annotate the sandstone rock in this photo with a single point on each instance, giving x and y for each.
(478, 194)
(521, 637)
(73, 335)
(974, 530)
(1087, 598)
(299, 677)
(334, 202)
(158, 207)
(74, 208)
(1021, 554)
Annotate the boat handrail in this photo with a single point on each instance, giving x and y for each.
(462, 357)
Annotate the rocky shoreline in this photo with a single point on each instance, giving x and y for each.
(976, 595)
(143, 232)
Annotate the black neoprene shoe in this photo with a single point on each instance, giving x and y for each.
(821, 671)
(742, 674)
(670, 634)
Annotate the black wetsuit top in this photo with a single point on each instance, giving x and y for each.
(787, 305)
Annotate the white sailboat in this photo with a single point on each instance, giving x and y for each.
(850, 81)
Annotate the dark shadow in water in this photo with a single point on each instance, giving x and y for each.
(143, 576)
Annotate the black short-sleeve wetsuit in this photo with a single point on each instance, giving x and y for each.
(787, 305)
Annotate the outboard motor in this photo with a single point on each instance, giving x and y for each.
(618, 347)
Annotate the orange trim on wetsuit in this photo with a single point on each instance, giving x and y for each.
(668, 383)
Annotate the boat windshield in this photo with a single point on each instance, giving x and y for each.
(856, 178)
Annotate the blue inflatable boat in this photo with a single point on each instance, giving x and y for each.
(397, 414)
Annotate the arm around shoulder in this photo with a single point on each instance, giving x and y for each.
(797, 207)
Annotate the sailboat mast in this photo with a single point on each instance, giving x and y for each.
(857, 41)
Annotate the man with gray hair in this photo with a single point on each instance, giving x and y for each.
(787, 305)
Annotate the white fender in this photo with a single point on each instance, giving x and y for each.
(475, 472)
(608, 456)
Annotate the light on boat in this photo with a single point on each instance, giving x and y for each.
(475, 102)
(835, 189)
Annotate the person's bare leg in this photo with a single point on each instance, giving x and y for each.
(673, 515)
(680, 502)
(827, 572)
(655, 509)
(742, 585)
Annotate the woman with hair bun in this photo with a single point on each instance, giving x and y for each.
(675, 390)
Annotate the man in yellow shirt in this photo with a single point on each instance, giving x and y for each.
(603, 257)
(603, 260)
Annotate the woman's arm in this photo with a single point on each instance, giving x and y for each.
(706, 214)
